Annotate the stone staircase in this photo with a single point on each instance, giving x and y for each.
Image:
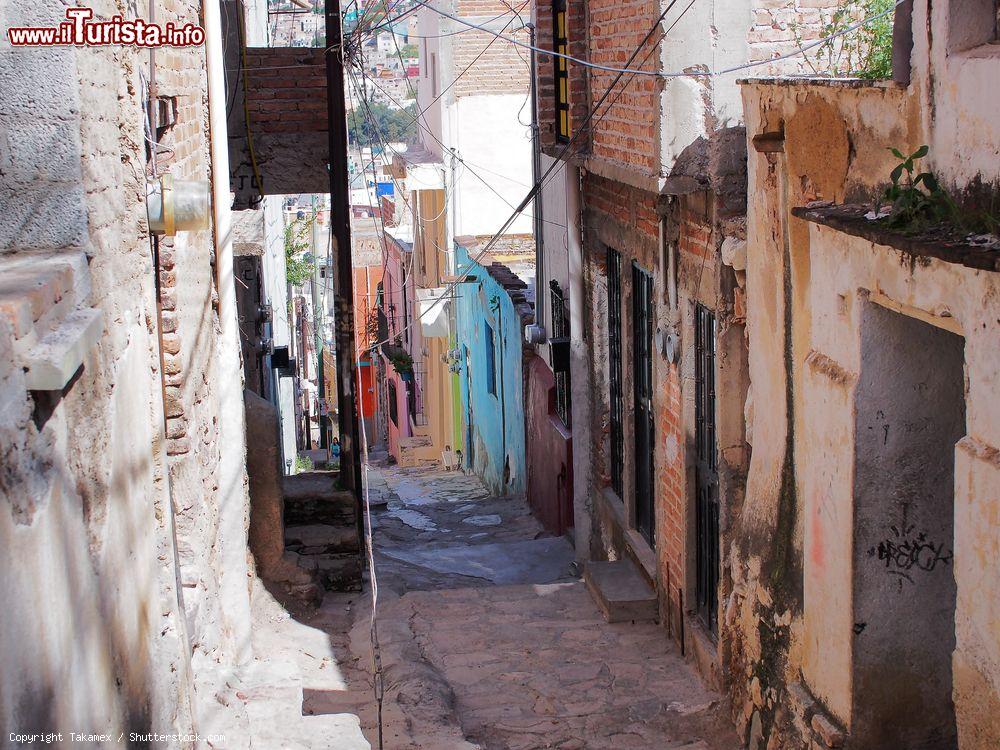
(621, 592)
(418, 449)
(321, 529)
(260, 706)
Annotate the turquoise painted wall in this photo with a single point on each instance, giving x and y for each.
(493, 423)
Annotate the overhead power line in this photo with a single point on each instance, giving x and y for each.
(663, 74)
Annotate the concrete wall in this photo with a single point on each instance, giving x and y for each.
(495, 145)
(495, 421)
(798, 561)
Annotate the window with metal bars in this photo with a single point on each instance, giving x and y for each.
(560, 351)
(706, 470)
(617, 458)
(642, 382)
(561, 45)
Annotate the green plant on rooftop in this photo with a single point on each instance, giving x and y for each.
(918, 203)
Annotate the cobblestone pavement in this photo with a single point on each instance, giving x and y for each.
(490, 640)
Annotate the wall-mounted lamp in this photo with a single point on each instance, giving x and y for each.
(177, 205)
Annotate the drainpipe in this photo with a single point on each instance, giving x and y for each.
(580, 383)
(232, 499)
(536, 171)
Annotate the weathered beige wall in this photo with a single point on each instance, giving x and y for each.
(98, 632)
(790, 616)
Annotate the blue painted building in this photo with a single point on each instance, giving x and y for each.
(491, 313)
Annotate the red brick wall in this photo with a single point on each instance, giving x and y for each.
(576, 28)
(671, 493)
(287, 90)
(627, 133)
(180, 73)
(629, 207)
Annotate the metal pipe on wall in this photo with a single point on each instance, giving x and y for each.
(232, 428)
(536, 171)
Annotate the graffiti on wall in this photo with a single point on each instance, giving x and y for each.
(906, 553)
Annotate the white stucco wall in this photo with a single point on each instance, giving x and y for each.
(487, 135)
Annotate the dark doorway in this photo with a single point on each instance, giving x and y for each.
(910, 407)
(642, 375)
(706, 470)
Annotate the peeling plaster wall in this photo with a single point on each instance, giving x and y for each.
(99, 632)
(93, 637)
(790, 619)
(497, 424)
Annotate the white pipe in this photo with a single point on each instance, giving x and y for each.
(580, 368)
(232, 498)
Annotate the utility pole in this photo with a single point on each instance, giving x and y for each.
(536, 171)
(343, 272)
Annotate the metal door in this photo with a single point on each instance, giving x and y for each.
(642, 374)
(706, 470)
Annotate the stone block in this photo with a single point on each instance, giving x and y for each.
(43, 216)
(621, 591)
(55, 359)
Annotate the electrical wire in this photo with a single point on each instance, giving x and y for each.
(555, 164)
(659, 74)
(466, 164)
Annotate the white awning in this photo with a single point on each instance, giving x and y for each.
(433, 311)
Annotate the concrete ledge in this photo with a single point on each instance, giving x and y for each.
(52, 363)
(621, 592)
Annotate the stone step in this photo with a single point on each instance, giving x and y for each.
(322, 539)
(312, 497)
(416, 441)
(621, 592)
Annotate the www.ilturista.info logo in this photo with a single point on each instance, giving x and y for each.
(81, 31)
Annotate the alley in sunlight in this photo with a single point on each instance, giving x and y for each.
(489, 639)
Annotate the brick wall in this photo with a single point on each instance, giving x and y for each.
(288, 116)
(576, 34)
(775, 25)
(627, 131)
(671, 496)
(502, 69)
(287, 88)
(632, 210)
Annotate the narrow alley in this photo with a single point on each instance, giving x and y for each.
(488, 640)
(500, 374)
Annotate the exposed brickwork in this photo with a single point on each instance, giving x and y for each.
(627, 131)
(287, 90)
(671, 495)
(576, 35)
(287, 104)
(629, 207)
(775, 26)
(502, 69)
